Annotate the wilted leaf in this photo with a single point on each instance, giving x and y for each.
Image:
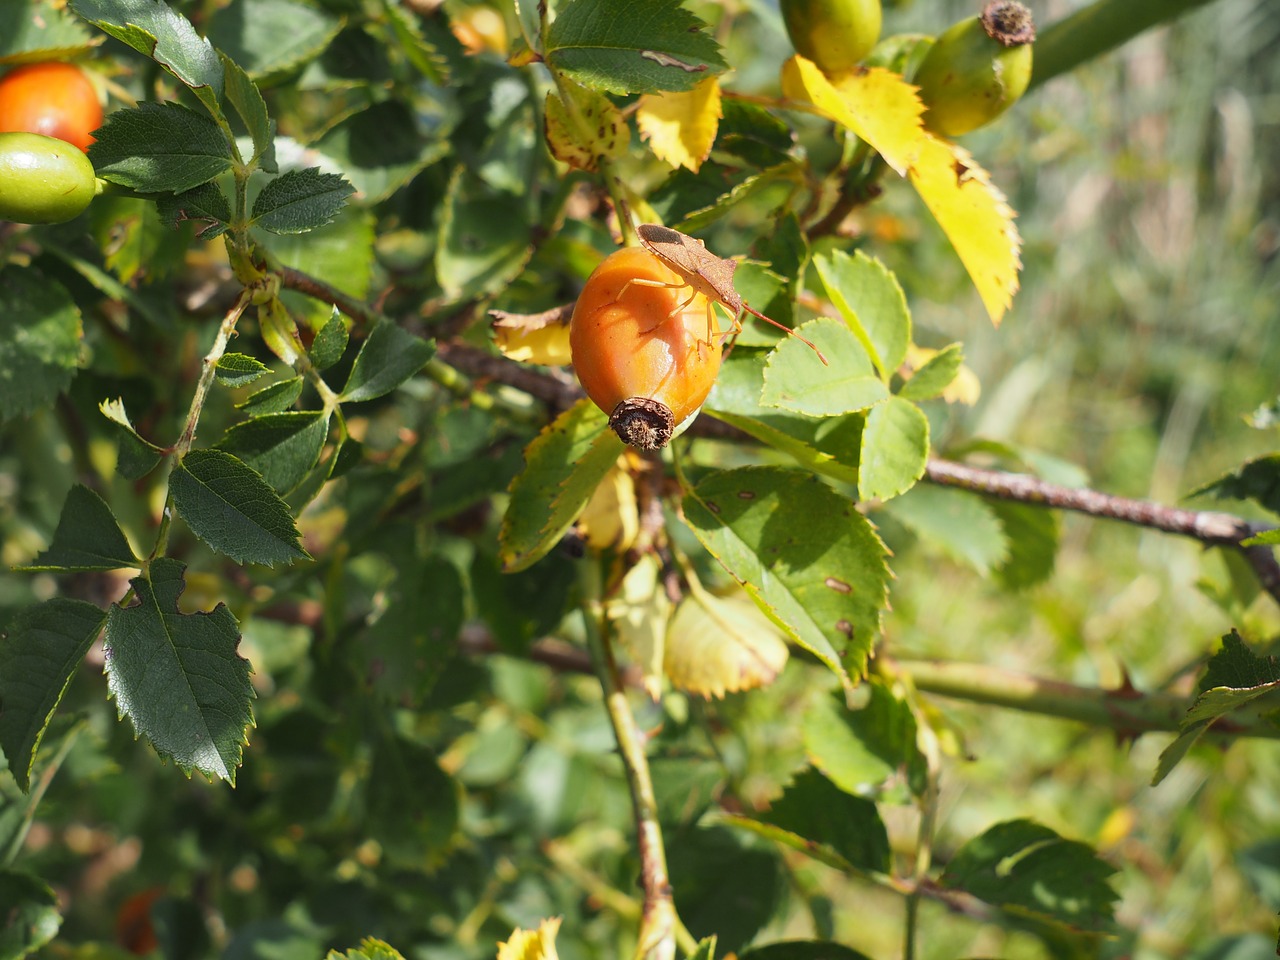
(640, 612)
(718, 645)
(533, 338)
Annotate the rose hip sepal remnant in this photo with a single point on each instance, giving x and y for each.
(646, 348)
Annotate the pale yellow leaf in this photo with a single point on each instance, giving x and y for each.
(681, 127)
(533, 338)
(640, 612)
(718, 645)
(611, 519)
(537, 944)
(976, 218)
(584, 127)
(876, 104)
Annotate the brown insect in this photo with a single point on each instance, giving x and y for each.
(703, 273)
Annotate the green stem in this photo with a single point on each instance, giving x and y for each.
(208, 370)
(1064, 45)
(657, 936)
(1124, 710)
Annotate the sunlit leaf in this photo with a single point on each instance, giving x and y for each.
(562, 467)
(976, 218)
(804, 553)
(640, 611)
(876, 104)
(539, 944)
(681, 125)
(718, 645)
(179, 676)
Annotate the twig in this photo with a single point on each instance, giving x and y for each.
(657, 936)
(1211, 528)
(1127, 711)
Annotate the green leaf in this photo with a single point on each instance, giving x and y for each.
(280, 446)
(87, 538)
(802, 950)
(935, 376)
(155, 29)
(340, 252)
(135, 457)
(370, 949)
(818, 815)
(388, 357)
(423, 52)
(751, 133)
(381, 149)
(137, 242)
(963, 526)
(39, 341)
(631, 46)
(272, 38)
(705, 950)
(178, 676)
(869, 299)
(484, 237)
(30, 918)
(275, 398)
(563, 466)
(796, 380)
(244, 96)
(1032, 534)
(205, 204)
(330, 343)
(803, 552)
(159, 148)
(869, 751)
(39, 654)
(1026, 868)
(895, 449)
(299, 201)
(1234, 677)
(767, 292)
(830, 447)
(31, 33)
(1257, 480)
(238, 369)
(413, 835)
(726, 884)
(405, 650)
(233, 509)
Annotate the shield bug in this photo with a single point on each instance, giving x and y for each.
(705, 273)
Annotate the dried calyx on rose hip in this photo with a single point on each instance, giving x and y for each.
(977, 69)
(646, 348)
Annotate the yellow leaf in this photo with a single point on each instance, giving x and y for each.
(537, 944)
(876, 104)
(611, 519)
(681, 127)
(718, 645)
(533, 338)
(584, 127)
(976, 218)
(640, 612)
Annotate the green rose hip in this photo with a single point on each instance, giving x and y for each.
(837, 35)
(43, 179)
(977, 69)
